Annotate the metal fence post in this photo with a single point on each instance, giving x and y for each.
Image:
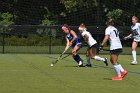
(50, 45)
(3, 38)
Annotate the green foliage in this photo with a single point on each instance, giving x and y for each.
(70, 5)
(32, 11)
(31, 40)
(46, 31)
(47, 21)
(7, 18)
(115, 14)
(74, 5)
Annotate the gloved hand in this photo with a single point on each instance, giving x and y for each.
(100, 47)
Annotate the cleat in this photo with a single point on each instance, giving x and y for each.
(81, 65)
(124, 73)
(106, 63)
(80, 62)
(117, 78)
(88, 65)
(133, 63)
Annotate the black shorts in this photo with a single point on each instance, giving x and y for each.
(94, 46)
(116, 51)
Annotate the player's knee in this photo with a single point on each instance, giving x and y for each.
(93, 57)
(133, 49)
(73, 53)
(87, 55)
(113, 61)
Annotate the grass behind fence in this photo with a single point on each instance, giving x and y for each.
(53, 49)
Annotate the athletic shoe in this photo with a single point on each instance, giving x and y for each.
(133, 62)
(106, 63)
(124, 73)
(80, 62)
(88, 65)
(117, 78)
(81, 65)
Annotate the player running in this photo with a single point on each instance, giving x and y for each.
(135, 28)
(92, 45)
(112, 34)
(73, 40)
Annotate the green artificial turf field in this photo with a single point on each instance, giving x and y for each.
(31, 73)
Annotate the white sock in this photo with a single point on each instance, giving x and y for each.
(121, 68)
(134, 55)
(80, 63)
(88, 60)
(117, 70)
(99, 58)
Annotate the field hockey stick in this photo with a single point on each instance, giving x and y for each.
(59, 57)
(66, 56)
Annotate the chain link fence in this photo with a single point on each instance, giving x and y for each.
(49, 39)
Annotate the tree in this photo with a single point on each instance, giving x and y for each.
(74, 5)
(115, 14)
(6, 19)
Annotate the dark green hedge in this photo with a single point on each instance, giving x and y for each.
(31, 40)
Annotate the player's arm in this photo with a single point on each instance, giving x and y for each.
(67, 43)
(106, 38)
(128, 37)
(74, 36)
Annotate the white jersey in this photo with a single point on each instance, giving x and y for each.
(91, 41)
(136, 32)
(114, 39)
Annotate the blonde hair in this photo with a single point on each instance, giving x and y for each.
(135, 18)
(82, 27)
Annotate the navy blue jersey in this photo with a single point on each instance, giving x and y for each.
(76, 41)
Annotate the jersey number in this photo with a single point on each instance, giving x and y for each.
(135, 32)
(116, 33)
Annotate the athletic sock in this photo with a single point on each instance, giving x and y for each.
(99, 58)
(77, 58)
(134, 55)
(80, 63)
(117, 70)
(88, 60)
(121, 68)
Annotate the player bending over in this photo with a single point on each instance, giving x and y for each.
(73, 40)
(135, 28)
(112, 34)
(92, 45)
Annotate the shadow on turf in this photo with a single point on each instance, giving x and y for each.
(107, 79)
(73, 66)
(82, 66)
